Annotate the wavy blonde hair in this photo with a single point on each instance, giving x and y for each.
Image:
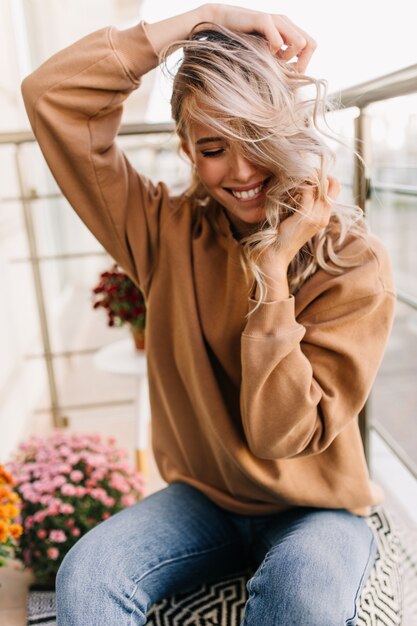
(233, 83)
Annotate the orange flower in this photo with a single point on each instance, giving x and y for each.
(16, 530)
(4, 530)
(13, 497)
(5, 478)
(4, 493)
(8, 511)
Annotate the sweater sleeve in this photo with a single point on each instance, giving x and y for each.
(305, 379)
(74, 102)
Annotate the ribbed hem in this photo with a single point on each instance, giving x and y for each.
(135, 50)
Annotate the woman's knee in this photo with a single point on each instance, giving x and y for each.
(85, 564)
(282, 598)
(303, 583)
(94, 581)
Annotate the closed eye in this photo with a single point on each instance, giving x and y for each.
(212, 153)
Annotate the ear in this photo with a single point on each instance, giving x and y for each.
(186, 148)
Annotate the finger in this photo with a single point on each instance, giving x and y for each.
(303, 55)
(267, 28)
(293, 38)
(303, 58)
(289, 53)
(303, 45)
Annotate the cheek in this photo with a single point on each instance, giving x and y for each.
(211, 173)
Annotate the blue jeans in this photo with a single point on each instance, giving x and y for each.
(311, 564)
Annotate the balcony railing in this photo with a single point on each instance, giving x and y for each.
(400, 83)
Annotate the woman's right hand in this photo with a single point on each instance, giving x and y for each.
(279, 30)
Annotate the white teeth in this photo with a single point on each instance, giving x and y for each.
(247, 194)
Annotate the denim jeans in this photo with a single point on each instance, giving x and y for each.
(309, 564)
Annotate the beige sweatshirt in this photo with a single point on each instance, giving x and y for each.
(260, 415)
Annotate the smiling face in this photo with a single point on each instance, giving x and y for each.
(229, 177)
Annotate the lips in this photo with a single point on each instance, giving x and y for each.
(248, 192)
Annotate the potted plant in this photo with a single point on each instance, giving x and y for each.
(68, 483)
(10, 530)
(123, 301)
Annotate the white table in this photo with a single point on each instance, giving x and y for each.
(121, 357)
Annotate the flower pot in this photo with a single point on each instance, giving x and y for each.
(138, 337)
(44, 585)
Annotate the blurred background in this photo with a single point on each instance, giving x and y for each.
(49, 262)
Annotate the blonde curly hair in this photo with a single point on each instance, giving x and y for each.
(233, 83)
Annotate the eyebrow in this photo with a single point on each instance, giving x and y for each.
(208, 140)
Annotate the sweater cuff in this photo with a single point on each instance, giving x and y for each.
(272, 318)
(134, 49)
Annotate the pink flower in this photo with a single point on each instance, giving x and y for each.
(27, 556)
(65, 450)
(105, 515)
(41, 533)
(57, 536)
(119, 483)
(39, 516)
(98, 494)
(68, 490)
(70, 522)
(53, 553)
(46, 500)
(64, 468)
(66, 509)
(75, 532)
(128, 500)
(73, 459)
(76, 476)
(59, 480)
(52, 510)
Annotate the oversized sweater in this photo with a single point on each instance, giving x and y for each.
(259, 414)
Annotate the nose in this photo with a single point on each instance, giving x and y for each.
(241, 169)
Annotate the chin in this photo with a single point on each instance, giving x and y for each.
(252, 216)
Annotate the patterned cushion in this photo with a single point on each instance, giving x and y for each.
(223, 603)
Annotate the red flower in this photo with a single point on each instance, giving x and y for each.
(121, 298)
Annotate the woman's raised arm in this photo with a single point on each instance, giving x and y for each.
(75, 101)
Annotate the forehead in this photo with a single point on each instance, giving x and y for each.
(200, 133)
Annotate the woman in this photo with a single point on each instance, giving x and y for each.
(269, 307)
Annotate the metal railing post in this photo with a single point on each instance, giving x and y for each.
(360, 193)
(58, 420)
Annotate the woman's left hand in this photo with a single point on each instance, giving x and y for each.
(300, 227)
(294, 232)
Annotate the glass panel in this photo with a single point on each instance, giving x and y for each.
(80, 382)
(156, 156)
(342, 125)
(394, 394)
(393, 216)
(9, 187)
(73, 323)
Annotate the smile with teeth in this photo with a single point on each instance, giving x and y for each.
(250, 193)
